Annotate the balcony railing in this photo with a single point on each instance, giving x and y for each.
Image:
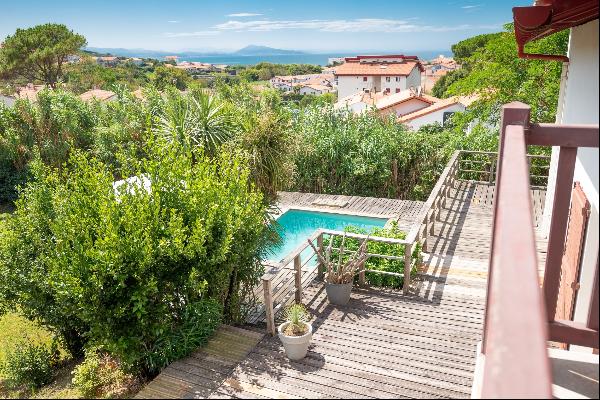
(519, 319)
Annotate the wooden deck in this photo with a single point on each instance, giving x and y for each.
(383, 344)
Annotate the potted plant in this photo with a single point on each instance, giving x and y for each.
(296, 332)
(340, 271)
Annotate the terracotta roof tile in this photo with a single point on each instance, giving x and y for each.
(351, 68)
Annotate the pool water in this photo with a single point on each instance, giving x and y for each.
(295, 226)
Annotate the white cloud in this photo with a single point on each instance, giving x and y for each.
(243, 15)
(191, 34)
(470, 7)
(342, 25)
(173, 22)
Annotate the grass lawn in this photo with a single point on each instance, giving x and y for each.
(15, 329)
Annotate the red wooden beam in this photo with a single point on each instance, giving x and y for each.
(516, 364)
(558, 227)
(573, 333)
(563, 135)
(515, 113)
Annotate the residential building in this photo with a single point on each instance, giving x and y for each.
(98, 94)
(108, 61)
(315, 89)
(73, 59)
(437, 112)
(29, 91)
(384, 73)
(323, 83)
(171, 58)
(136, 61)
(194, 68)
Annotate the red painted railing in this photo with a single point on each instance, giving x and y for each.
(519, 317)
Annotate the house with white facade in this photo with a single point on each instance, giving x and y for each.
(384, 73)
(314, 89)
(437, 112)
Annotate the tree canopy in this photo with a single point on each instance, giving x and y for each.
(39, 53)
(493, 70)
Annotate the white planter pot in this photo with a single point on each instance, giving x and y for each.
(295, 347)
(338, 293)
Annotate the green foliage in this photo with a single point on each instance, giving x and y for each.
(199, 321)
(199, 120)
(440, 89)
(382, 264)
(38, 53)
(464, 49)
(119, 271)
(264, 71)
(88, 74)
(297, 317)
(499, 76)
(101, 376)
(30, 365)
(365, 155)
(164, 76)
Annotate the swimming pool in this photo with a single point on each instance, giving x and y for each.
(295, 226)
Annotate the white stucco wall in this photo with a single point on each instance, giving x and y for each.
(580, 106)
(406, 107)
(348, 85)
(436, 116)
(414, 79)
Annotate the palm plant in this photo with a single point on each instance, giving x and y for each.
(338, 269)
(297, 317)
(196, 121)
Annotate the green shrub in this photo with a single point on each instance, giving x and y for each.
(99, 375)
(199, 321)
(121, 271)
(382, 264)
(31, 365)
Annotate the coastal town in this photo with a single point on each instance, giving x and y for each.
(398, 85)
(281, 200)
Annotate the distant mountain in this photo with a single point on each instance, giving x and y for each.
(251, 50)
(254, 50)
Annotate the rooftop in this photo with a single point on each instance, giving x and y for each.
(384, 65)
(97, 94)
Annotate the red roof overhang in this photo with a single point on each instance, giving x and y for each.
(547, 17)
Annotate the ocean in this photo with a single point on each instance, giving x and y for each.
(318, 59)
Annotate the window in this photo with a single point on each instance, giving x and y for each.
(364, 78)
(387, 78)
(447, 116)
(397, 79)
(397, 90)
(387, 90)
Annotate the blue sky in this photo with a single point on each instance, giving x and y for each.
(317, 26)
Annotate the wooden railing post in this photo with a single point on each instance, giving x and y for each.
(298, 268)
(361, 274)
(492, 169)
(268, 300)
(407, 267)
(320, 266)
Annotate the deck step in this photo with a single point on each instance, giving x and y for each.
(201, 373)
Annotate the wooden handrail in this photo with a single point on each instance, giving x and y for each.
(519, 320)
(515, 323)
